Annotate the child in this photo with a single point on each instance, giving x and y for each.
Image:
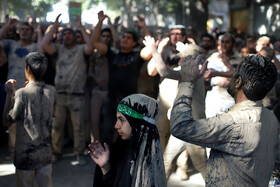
(32, 112)
(135, 159)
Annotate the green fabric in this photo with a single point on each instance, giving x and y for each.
(128, 111)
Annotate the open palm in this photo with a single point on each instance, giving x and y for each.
(98, 154)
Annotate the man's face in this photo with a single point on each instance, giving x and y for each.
(79, 38)
(106, 37)
(176, 36)
(206, 43)
(226, 45)
(127, 41)
(68, 37)
(244, 52)
(25, 33)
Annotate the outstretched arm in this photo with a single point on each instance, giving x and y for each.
(95, 38)
(46, 44)
(10, 88)
(100, 155)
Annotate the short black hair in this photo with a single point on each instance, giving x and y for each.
(208, 36)
(258, 76)
(27, 24)
(106, 29)
(134, 34)
(38, 63)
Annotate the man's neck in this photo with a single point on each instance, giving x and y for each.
(229, 54)
(240, 96)
(24, 43)
(70, 46)
(126, 50)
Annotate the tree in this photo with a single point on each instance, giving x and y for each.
(23, 8)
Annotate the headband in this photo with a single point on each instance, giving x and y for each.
(132, 113)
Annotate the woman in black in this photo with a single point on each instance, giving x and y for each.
(135, 159)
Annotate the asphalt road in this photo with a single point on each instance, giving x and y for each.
(67, 175)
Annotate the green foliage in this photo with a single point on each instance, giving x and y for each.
(34, 8)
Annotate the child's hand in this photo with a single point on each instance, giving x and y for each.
(10, 86)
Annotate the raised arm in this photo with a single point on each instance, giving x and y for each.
(88, 46)
(46, 44)
(10, 23)
(95, 38)
(10, 88)
(114, 31)
(3, 56)
(160, 66)
(141, 23)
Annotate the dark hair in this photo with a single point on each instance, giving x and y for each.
(27, 24)
(134, 35)
(67, 29)
(37, 63)
(231, 36)
(208, 36)
(258, 76)
(106, 29)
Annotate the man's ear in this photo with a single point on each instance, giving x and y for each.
(238, 83)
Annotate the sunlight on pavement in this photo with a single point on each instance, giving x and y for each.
(7, 169)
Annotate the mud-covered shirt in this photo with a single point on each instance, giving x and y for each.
(243, 141)
(124, 69)
(33, 112)
(16, 59)
(71, 68)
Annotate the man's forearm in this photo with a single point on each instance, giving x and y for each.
(181, 114)
(8, 104)
(162, 68)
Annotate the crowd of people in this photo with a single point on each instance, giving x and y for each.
(147, 103)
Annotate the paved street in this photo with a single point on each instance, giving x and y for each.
(66, 175)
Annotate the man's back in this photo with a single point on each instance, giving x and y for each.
(246, 158)
(33, 111)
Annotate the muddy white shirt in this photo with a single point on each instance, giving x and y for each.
(243, 140)
(71, 69)
(16, 60)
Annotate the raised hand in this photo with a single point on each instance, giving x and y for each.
(149, 42)
(98, 154)
(116, 21)
(57, 23)
(10, 86)
(190, 67)
(101, 16)
(140, 22)
(162, 44)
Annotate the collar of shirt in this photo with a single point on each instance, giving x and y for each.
(245, 105)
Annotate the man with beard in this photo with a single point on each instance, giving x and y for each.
(207, 44)
(243, 141)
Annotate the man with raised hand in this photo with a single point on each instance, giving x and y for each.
(70, 79)
(244, 140)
